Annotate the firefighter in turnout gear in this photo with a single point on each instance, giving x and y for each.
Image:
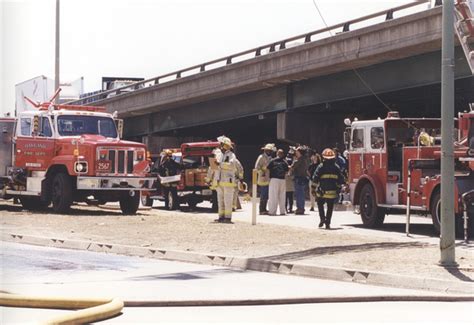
(263, 179)
(329, 179)
(169, 167)
(226, 179)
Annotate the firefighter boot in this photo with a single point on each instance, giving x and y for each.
(321, 222)
(328, 222)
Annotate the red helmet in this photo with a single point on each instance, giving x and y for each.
(328, 154)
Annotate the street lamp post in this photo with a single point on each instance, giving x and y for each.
(56, 57)
(447, 238)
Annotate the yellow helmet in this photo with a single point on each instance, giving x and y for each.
(425, 139)
(168, 152)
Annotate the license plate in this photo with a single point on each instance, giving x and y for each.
(103, 166)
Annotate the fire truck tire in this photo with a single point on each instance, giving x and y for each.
(129, 204)
(435, 211)
(62, 193)
(372, 216)
(192, 203)
(172, 200)
(33, 203)
(147, 201)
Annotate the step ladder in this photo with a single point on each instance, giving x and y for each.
(464, 26)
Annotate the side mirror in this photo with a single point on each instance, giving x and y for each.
(119, 124)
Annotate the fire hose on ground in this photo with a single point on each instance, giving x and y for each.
(87, 310)
(101, 309)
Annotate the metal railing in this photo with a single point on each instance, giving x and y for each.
(255, 52)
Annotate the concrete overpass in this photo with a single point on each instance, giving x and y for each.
(300, 93)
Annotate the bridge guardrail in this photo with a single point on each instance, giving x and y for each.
(256, 52)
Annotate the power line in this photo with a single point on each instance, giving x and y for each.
(365, 83)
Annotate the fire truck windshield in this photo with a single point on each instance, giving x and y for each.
(70, 125)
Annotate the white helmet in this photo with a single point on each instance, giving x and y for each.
(269, 146)
(225, 141)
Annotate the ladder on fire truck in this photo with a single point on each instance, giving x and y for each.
(464, 27)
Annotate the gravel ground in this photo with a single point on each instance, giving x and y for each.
(189, 231)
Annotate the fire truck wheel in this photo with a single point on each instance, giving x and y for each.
(129, 204)
(372, 216)
(172, 200)
(62, 193)
(146, 201)
(192, 202)
(33, 203)
(435, 210)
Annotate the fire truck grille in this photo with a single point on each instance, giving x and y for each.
(121, 161)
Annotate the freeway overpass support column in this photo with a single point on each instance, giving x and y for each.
(318, 130)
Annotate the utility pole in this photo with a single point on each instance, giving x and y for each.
(56, 57)
(447, 239)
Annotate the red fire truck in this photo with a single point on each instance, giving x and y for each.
(60, 154)
(394, 166)
(192, 188)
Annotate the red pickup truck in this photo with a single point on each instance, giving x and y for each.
(191, 184)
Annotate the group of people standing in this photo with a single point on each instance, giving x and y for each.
(279, 177)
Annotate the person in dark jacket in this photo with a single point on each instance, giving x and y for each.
(278, 168)
(290, 183)
(169, 167)
(299, 168)
(329, 178)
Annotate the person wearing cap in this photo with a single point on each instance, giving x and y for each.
(289, 180)
(263, 175)
(329, 179)
(226, 179)
(299, 170)
(169, 167)
(278, 168)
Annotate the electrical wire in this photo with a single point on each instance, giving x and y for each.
(365, 83)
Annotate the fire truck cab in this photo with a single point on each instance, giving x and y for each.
(394, 165)
(60, 154)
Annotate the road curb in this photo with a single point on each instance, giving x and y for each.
(254, 264)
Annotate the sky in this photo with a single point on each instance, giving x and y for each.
(147, 38)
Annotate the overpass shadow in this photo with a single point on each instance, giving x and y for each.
(398, 227)
(331, 250)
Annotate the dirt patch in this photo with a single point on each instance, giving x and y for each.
(197, 232)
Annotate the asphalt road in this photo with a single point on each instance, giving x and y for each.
(43, 271)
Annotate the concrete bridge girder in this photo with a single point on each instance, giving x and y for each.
(399, 38)
(406, 73)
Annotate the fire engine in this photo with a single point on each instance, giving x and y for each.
(60, 154)
(195, 159)
(394, 166)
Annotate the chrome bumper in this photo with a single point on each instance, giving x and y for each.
(114, 183)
